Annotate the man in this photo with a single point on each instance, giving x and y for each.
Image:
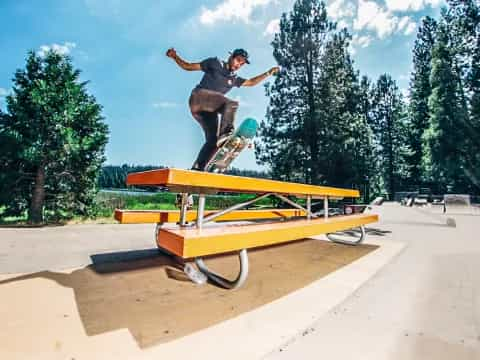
(208, 99)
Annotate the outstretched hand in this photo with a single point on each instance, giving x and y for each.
(171, 53)
(274, 70)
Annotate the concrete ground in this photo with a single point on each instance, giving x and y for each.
(416, 297)
(425, 304)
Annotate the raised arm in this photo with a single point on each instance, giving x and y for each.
(257, 79)
(171, 53)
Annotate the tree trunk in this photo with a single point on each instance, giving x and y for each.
(35, 215)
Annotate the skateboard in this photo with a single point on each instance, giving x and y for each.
(241, 138)
(224, 155)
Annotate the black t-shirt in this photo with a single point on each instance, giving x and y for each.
(217, 77)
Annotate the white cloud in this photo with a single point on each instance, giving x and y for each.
(403, 22)
(373, 17)
(411, 5)
(407, 25)
(64, 49)
(273, 27)
(231, 10)
(165, 104)
(361, 41)
(404, 5)
(410, 29)
(340, 9)
(3, 92)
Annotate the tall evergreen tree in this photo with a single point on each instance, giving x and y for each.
(420, 91)
(346, 148)
(451, 141)
(463, 21)
(445, 145)
(473, 155)
(56, 137)
(314, 132)
(462, 18)
(390, 129)
(371, 166)
(290, 135)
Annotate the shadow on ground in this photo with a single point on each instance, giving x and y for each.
(146, 292)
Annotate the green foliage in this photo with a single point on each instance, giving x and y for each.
(288, 138)
(444, 108)
(420, 91)
(473, 160)
(452, 145)
(441, 146)
(114, 177)
(316, 130)
(390, 128)
(107, 202)
(55, 139)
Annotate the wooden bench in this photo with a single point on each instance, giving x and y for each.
(195, 240)
(192, 242)
(173, 216)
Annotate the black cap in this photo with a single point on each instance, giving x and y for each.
(241, 52)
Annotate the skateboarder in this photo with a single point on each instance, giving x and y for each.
(208, 99)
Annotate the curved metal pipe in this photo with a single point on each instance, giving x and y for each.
(219, 280)
(338, 240)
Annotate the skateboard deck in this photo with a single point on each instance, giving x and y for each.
(223, 157)
(241, 138)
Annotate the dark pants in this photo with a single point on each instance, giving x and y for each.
(206, 106)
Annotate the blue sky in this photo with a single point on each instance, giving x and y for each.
(120, 47)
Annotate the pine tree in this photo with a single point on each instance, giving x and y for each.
(473, 154)
(371, 165)
(346, 149)
(57, 140)
(289, 137)
(451, 141)
(420, 91)
(445, 145)
(464, 18)
(390, 129)
(314, 131)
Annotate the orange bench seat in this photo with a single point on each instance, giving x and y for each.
(193, 242)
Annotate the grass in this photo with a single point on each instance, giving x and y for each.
(107, 202)
(166, 201)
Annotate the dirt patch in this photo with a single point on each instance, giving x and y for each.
(156, 303)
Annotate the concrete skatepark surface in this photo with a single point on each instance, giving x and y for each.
(304, 300)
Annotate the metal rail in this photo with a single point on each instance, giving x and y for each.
(358, 235)
(231, 208)
(203, 273)
(220, 280)
(199, 276)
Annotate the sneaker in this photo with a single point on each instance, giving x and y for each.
(223, 138)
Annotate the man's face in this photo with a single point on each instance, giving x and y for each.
(236, 62)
